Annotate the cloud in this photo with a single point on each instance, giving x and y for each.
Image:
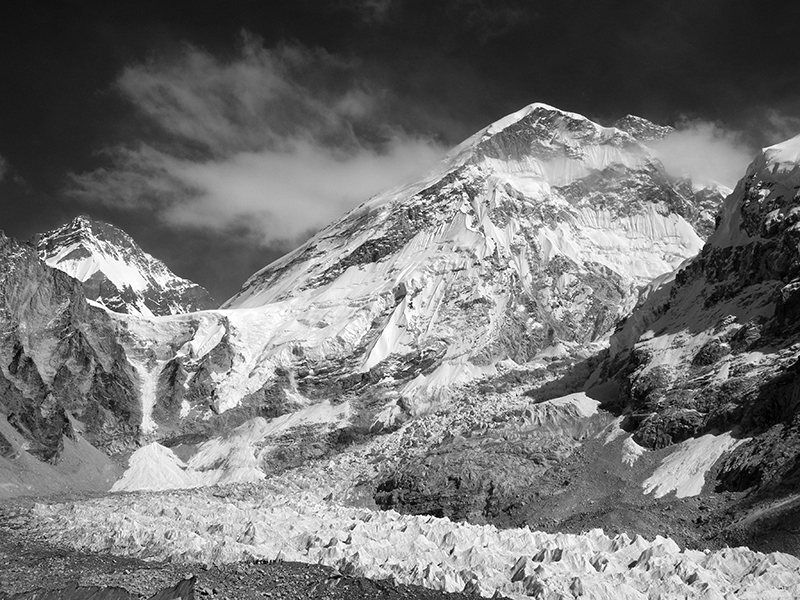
(275, 141)
(780, 127)
(370, 11)
(3, 168)
(706, 152)
(490, 19)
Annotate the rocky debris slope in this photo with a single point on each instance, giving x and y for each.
(249, 523)
(66, 387)
(499, 452)
(116, 272)
(248, 453)
(715, 347)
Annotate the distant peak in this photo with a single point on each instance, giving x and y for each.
(116, 271)
(87, 228)
(642, 129)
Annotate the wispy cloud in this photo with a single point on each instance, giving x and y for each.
(370, 11)
(490, 19)
(3, 168)
(278, 141)
(707, 152)
(780, 127)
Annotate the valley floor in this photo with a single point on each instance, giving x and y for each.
(500, 493)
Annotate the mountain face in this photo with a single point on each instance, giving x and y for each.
(66, 387)
(715, 346)
(537, 232)
(116, 272)
(534, 235)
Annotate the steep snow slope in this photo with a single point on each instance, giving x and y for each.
(116, 272)
(536, 232)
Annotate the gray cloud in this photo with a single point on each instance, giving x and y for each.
(707, 152)
(371, 11)
(276, 141)
(780, 127)
(3, 168)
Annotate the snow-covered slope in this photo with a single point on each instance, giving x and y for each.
(116, 272)
(534, 235)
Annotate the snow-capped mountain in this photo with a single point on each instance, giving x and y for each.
(116, 272)
(536, 232)
(540, 228)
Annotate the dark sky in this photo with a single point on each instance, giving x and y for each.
(218, 134)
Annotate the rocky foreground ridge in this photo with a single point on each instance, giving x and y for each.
(715, 347)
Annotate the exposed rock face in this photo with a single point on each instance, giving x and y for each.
(61, 367)
(116, 272)
(716, 346)
(490, 472)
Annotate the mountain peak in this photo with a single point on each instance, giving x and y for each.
(534, 108)
(87, 230)
(116, 272)
(538, 129)
(642, 129)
